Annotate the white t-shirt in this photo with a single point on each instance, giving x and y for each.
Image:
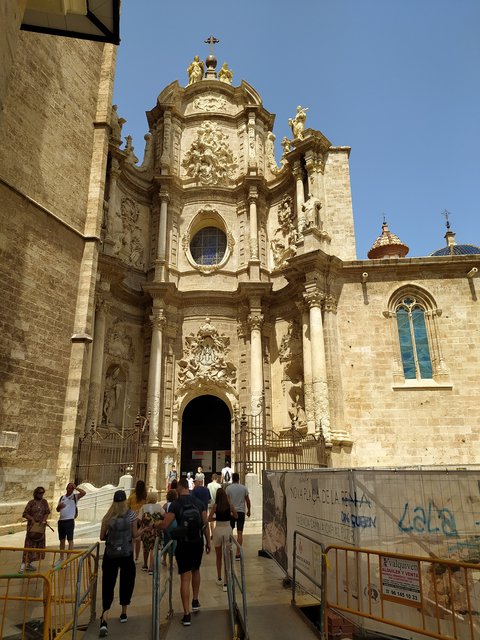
(70, 502)
(213, 487)
(230, 471)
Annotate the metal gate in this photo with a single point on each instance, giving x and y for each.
(257, 447)
(103, 457)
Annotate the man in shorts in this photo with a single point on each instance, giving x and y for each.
(189, 550)
(67, 507)
(238, 494)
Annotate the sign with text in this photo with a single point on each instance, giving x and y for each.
(400, 580)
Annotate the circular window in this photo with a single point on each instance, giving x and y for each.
(208, 246)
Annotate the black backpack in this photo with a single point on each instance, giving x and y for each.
(190, 525)
(119, 537)
(227, 476)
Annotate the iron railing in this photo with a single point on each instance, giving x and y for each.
(257, 447)
(104, 456)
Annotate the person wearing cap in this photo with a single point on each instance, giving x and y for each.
(112, 564)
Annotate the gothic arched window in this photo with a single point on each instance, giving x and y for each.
(418, 359)
(412, 334)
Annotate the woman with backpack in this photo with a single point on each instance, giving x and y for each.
(119, 530)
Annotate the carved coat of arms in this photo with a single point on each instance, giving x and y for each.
(204, 361)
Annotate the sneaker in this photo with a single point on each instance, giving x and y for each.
(186, 621)
(31, 567)
(219, 582)
(123, 617)
(195, 605)
(22, 568)
(225, 588)
(103, 629)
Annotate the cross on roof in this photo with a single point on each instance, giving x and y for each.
(211, 40)
(446, 214)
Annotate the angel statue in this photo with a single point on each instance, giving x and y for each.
(298, 122)
(195, 71)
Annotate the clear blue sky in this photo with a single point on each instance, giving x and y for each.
(396, 80)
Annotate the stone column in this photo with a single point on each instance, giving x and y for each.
(162, 225)
(307, 367)
(252, 200)
(96, 373)
(299, 193)
(158, 321)
(314, 297)
(252, 152)
(162, 236)
(334, 376)
(255, 321)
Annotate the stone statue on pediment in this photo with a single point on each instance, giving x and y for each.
(225, 74)
(195, 71)
(298, 122)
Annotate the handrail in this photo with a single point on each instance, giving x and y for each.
(231, 550)
(157, 593)
(320, 585)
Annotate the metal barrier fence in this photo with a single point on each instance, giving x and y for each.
(159, 589)
(230, 551)
(433, 597)
(47, 602)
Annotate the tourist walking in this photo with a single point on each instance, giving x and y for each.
(191, 518)
(67, 507)
(201, 492)
(35, 513)
(149, 514)
(221, 512)
(136, 500)
(213, 487)
(238, 494)
(119, 530)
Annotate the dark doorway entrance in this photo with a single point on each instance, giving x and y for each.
(206, 436)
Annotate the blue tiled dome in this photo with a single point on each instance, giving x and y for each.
(457, 250)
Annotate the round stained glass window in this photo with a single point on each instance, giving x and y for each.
(208, 246)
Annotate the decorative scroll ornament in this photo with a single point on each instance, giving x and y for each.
(204, 363)
(210, 159)
(284, 240)
(209, 103)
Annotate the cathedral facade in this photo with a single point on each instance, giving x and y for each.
(207, 282)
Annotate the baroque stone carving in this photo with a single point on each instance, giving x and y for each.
(298, 122)
(209, 103)
(205, 360)
(195, 70)
(270, 153)
(210, 159)
(126, 235)
(310, 215)
(119, 344)
(225, 74)
(112, 410)
(116, 124)
(285, 237)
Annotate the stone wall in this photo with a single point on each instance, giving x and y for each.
(47, 137)
(394, 424)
